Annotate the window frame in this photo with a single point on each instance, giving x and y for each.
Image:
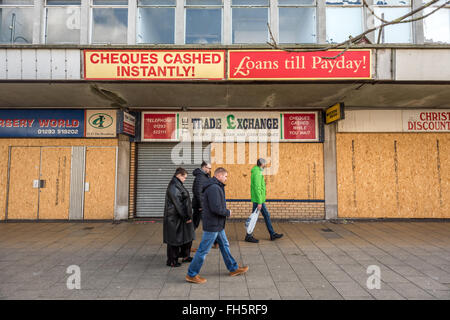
(410, 6)
(19, 6)
(45, 8)
(93, 6)
(268, 7)
(174, 6)
(295, 6)
(345, 6)
(203, 6)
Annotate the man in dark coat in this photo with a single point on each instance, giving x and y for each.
(202, 175)
(214, 215)
(178, 229)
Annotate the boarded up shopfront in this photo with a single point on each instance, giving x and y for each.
(290, 141)
(46, 175)
(394, 164)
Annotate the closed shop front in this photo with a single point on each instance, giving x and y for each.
(290, 141)
(55, 178)
(394, 164)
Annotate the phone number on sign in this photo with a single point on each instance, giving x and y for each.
(58, 131)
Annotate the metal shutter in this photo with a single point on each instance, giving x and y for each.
(155, 169)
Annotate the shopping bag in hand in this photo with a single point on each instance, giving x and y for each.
(251, 221)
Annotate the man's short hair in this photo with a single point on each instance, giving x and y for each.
(260, 162)
(220, 170)
(204, 164)
(181, 171)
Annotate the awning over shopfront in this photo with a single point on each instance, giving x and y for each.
(220, 95)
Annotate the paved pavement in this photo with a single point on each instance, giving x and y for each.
(127, 261)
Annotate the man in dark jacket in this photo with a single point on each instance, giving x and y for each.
(178, 230)
(202, 175)
(214, 215)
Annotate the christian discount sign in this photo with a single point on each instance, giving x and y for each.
(282, 65)
(154, 65)
(231, 126)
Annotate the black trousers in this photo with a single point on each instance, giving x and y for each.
(175, 252)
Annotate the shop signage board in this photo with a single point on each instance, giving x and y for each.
(129, 124)
(154, 64)
(334, 113)
(426, 120)
(231, 126)
(282, 65)
(29, 123)
(101, 123)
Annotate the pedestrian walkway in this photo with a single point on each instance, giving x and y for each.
(317, 260)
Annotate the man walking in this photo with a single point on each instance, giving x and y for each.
(202, 175)
(214, 216)
(258, 195)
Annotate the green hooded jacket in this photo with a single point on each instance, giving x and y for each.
(258, 186)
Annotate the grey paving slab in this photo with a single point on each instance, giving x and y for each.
(127, 261)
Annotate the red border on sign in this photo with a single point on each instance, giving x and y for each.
(158, 79)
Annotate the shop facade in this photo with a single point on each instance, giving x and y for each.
(385, 156)
(58, 164)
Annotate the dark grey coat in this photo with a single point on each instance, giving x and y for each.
(177, 211)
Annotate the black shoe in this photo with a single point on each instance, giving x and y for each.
(173, 264)
(276, 236)
(188, 259)
(249, 238)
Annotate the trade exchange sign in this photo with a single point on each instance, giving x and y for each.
(231, 126)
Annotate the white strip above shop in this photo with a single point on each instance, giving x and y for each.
(302, 126)
(421, 120)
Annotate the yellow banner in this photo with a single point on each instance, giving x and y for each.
(154, 65)
(334, 113)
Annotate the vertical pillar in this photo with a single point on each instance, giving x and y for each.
(227, 22)
(132, 16)
(321, 20)
(123, 178)
(84, 22)
(273, 20)
(417, 26)
(179, 22)
(329, 159)
(38, 22)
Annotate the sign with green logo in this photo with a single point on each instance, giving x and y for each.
(101, 123)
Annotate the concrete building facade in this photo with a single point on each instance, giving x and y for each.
(100, 101)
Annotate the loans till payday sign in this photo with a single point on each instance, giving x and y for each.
(230, 126)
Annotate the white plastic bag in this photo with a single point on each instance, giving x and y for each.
(251, 221)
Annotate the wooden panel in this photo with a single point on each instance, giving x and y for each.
(298, 175)
(101, 176)
(4, 155)
(54, 200)
(443, 163)
(57, 142)
(402, 175)
(23, 198)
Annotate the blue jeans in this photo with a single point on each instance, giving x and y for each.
(208, 239)
(266, 216)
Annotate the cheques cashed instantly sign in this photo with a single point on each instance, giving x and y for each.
(282, 65)
(42, 123)
(154, 65)
(230, 126)
(426, 120)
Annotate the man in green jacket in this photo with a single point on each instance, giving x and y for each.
(258, 194)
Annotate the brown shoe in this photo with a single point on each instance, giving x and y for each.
(238, 271)
(193, 249)
(215, 245)
(196, 279)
